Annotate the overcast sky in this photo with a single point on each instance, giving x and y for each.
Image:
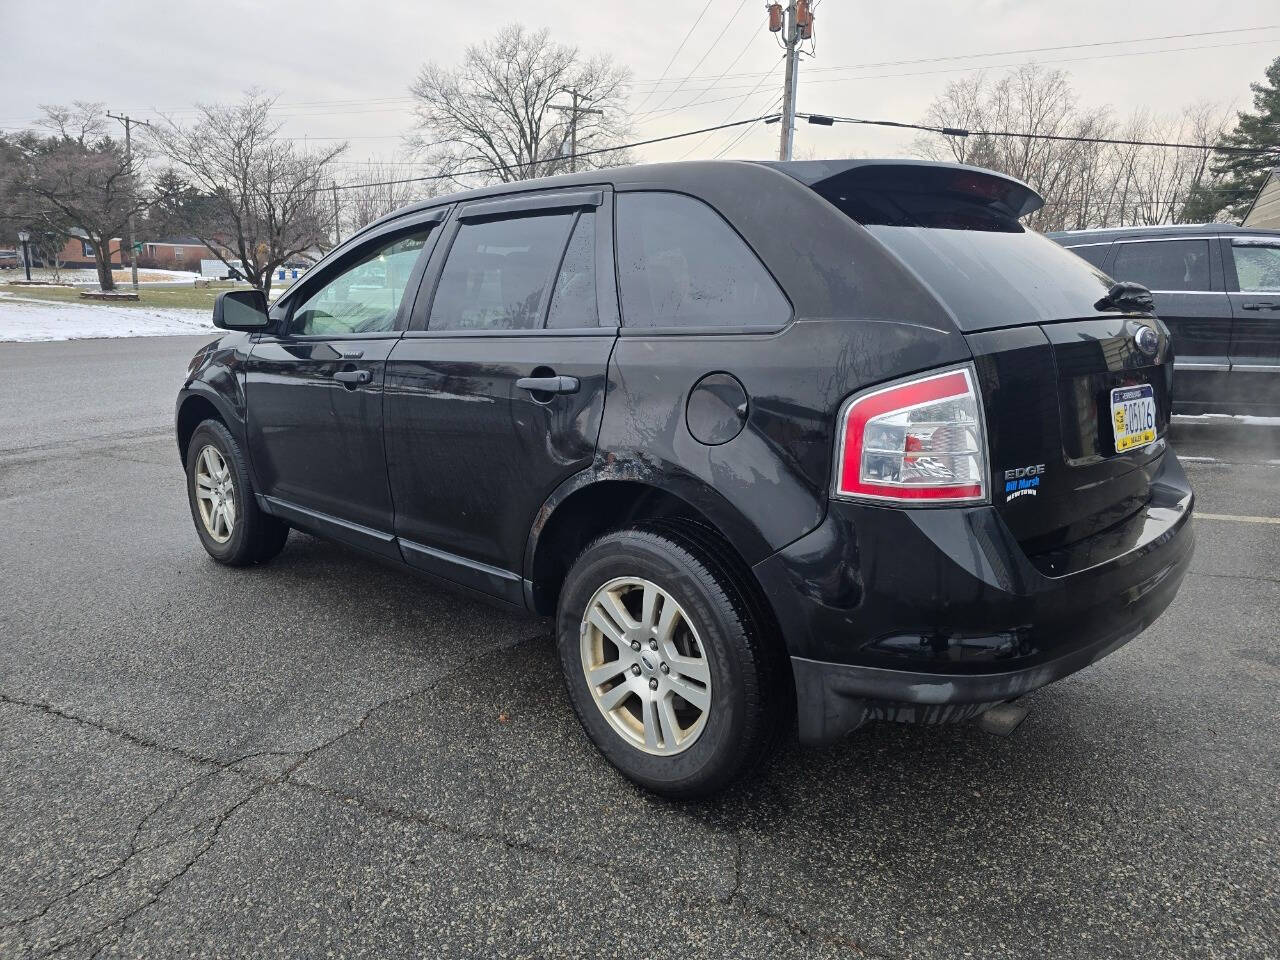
(144, 57)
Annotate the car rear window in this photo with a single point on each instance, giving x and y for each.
(959, 231)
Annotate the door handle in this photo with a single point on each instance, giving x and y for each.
(353, 378)
(548, 384)
(1261, 306)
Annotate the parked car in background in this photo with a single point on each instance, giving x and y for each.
(814, 442)
(1217, 288)
(9, 260)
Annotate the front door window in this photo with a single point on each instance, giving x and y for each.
(365, 297)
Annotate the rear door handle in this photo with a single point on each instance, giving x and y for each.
(1262, 306)
(354, 377)
(548, 384)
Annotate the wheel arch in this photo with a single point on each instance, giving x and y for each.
(196, 404)
(588, 505)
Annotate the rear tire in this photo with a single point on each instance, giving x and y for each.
(231, 527)
(663, 588)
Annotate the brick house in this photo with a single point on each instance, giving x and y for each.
(180, 253)
(77, 252)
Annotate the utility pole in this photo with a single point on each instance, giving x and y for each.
(795, 24)
(573, 112)
(133, 198)
(337, 226)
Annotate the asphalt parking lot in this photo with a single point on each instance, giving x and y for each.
(328, 757)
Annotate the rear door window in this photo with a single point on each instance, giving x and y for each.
(1257, 267)
(499, 273)
(573, 304)
(1169, 265)
(681, 265)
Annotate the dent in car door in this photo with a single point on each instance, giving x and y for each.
(488, 409)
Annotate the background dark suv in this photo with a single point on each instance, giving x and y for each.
(1217, 288)
(825, 440)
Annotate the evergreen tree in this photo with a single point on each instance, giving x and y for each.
(1237, 177)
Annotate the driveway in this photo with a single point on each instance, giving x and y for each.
(329, 757)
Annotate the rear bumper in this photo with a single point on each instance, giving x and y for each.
(932, 615)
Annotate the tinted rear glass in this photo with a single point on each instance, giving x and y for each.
(681, 265)
(962, 240)
(998, 279)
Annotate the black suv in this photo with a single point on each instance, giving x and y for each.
(833, 441)
(1217, 287)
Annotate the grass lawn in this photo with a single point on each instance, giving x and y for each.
(193, 298)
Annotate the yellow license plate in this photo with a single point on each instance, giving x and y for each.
(1133, 417)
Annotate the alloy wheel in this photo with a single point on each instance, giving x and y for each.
(646, 666)
(215, 494)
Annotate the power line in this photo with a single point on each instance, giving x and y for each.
(1024, 50)
(740, 137)
(826, 120)
(732, 63)
(186, 111)
(715, 81)
(732, 113)
(693, 26)
(530, 163)
(702, 59)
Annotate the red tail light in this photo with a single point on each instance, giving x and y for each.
(916, 442)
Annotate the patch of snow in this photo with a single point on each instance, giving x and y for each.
(1244, 419)
(25, 320)
(80, 277)
(1186, 459)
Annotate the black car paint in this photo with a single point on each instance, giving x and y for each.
(1227, 342)
(484, 483)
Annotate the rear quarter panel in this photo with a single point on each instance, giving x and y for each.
(768, 485)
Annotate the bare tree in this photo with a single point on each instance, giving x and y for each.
(1028, 100)
(1085, 184)
(254, 196)
(78, 179)
(496, 109)
(83, 121)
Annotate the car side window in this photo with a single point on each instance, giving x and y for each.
(1164, 264)
(1257, 267)
(573, 304)
(364, 297)
(1094, 253)
(499, 273)
(680, 264)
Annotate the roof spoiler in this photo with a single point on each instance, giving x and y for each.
(988, 188)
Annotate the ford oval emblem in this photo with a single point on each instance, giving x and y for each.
(1148, 341)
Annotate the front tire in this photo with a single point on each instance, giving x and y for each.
(231, 527)
(669, 668)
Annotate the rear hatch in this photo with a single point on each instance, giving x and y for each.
(1057, 374)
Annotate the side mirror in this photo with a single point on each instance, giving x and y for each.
(1128, 297)
(241, 310)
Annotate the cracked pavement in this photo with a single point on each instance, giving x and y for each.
(327, 756)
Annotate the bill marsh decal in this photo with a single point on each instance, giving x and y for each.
(1022, 481)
